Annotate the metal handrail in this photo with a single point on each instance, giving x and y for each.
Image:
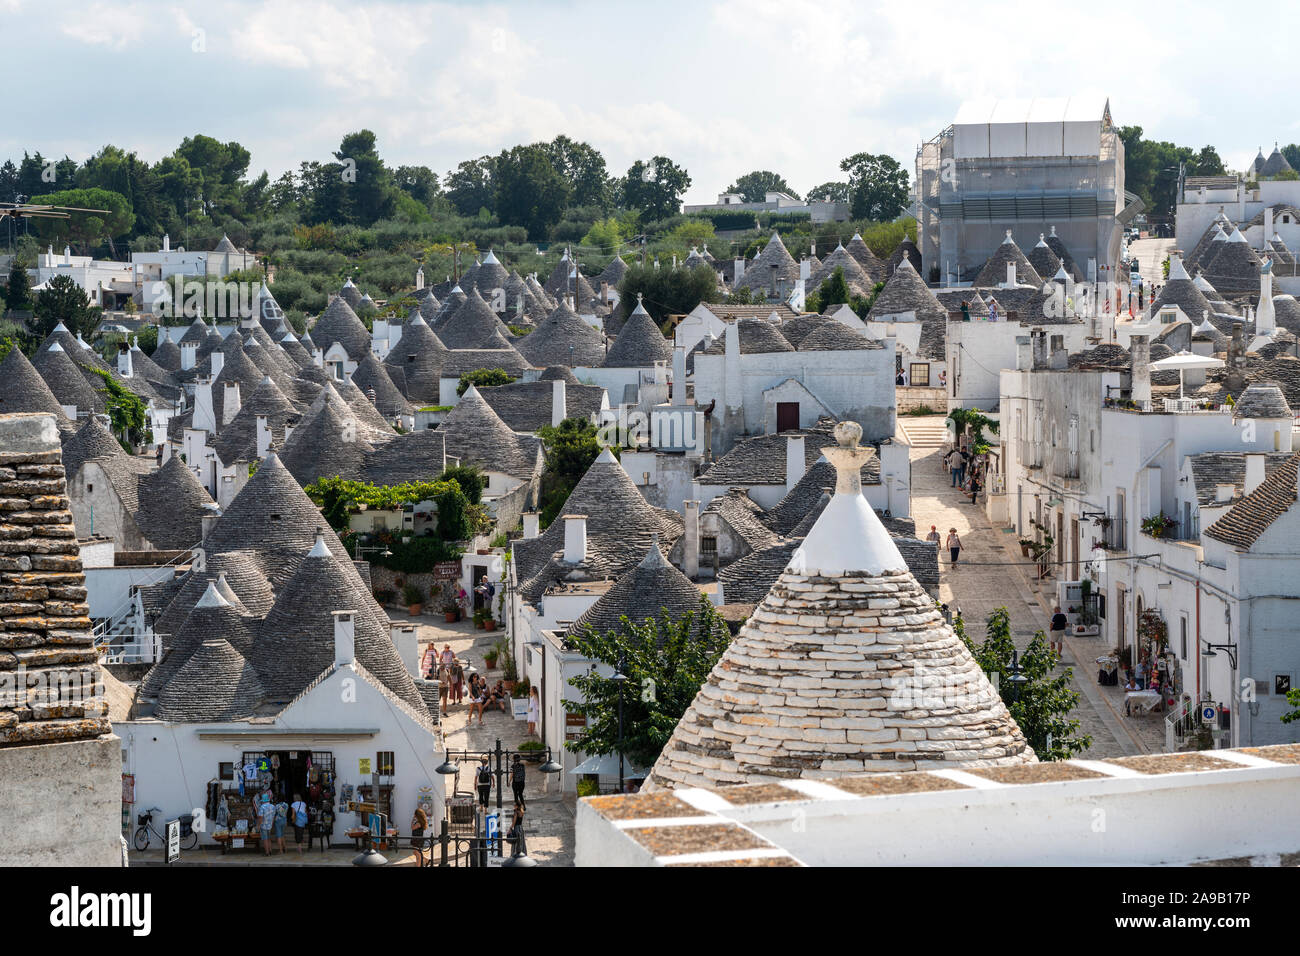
(101, 631)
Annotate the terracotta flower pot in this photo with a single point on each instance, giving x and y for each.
(490, 624)
(449, 616)
(414, 609)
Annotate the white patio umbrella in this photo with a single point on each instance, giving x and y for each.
(1182, 361)
(607, 766)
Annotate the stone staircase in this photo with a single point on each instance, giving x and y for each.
(924, 431)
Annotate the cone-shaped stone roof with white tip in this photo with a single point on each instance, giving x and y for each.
(846, 666)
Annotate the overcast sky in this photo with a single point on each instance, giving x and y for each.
(720, 87)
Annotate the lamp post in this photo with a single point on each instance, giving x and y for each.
(449, 767)
(1017, 679)
(620, 678)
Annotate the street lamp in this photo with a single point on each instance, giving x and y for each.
(620, 678)
(1017, 679)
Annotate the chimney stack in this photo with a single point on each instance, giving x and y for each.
(345, 638)
(739, 273)
(1038, 344)
(1140, 381)
(124, 367)
(263, 436)
(1011, 275)
(1024, 353)
(205, 417)
(679, 375)
(1254, 472)
(1268, 224)
(691, 546)
(532, 525)
(559, 410)
(575, 539)
(218, 360)
(188, 352)
(208, 520)
(230, 402)
(167, 243)
(408, 647)
(795, 462)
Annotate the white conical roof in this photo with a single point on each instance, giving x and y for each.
(490, 258)
(1176, 268)
(1236, 236)
(848, 536)
(212, 597)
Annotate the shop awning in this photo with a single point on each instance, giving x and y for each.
(606, 765)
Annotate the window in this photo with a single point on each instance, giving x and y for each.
(1281, 684)
(1182, 631)
(920, 373)
(226, 771)
(384, 763)
(709, 545)
(1118, 535)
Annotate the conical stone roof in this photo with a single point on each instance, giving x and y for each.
(859, 282)
(904, 250)
(172, 506)
(91, 440)
(651, 589)
(66, 380)
(563, 338)
(870, 262)
(847, 666)
(339, 323)
(295, 643)
(1180, 290)
(22, 389)
(472, 325)
(759, 273)
(237, 441)
(213, 616)
(329, 442)
(476, 435)
(245, 587)
(1235, 267)
(640, 343)
(167, 355)
(906, 292)
(415, 363)
(215, 683)
(1045, 262)
(371, 375)
(994, 272)
(350, 294)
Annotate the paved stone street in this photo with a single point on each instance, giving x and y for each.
(549, 820)
(991, 573)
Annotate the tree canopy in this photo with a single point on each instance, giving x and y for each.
(877, 186)
(665, 292)
(569, 448)
(1151, 168)
(84, 230)
(655, 188)
(754, 187)
(665, 662)
(64, 301)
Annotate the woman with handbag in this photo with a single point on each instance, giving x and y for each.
(419, 823)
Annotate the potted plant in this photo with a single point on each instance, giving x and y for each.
(1158, 524)
(450, 612)
(532, 750)
(509, 673)
(489, 622)
(478, 619)
(588, 787)
(491, 657)
(519, 700)
(1025, 545)
(414, 599)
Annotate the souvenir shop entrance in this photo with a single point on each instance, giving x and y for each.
(287, 772)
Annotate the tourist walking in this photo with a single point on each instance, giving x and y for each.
(1059, 622)
(444, 688)
(534, 710)
(517, 775)
(299, 810)
(266, 822)
(933, 537)
(515, 835)
(477, 698)
(457, 684)
(954, 544)
(483, 781)
(419, 823)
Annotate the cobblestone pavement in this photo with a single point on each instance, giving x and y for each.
(991, 573)
(549, 823)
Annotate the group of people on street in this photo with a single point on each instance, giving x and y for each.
(272, 817)
(952, 542)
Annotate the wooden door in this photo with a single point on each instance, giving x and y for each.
(787, 416)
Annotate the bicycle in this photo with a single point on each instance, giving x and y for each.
(189, 837)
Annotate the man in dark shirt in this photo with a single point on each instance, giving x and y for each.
(1059, 623)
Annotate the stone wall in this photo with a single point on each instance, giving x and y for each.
(58, 757)
(50, 687)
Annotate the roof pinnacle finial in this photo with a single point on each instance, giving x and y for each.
(847, 458)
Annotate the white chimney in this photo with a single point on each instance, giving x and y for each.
(532, 525)
(1140, 383)
(1266, 316)
(575, 539)
(1268, 224)
(408, 647)
(205, 417)
(1224, 492)
(419, 278)
(805, 269)
(1254, 472)
(691, 546)
(124, 360)
(263, 436)
(218, 360)
(188, 352)
(740, 272)
(558, 402)
(1011, 275)
(679, 375)
(795, 463)
(345, 638)
(208, 520)
(230, 403)
(1024, 353)
(167, 243)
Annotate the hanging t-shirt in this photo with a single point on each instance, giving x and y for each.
(250, 772)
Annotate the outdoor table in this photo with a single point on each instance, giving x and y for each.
(252, 840)
(1146, 700)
